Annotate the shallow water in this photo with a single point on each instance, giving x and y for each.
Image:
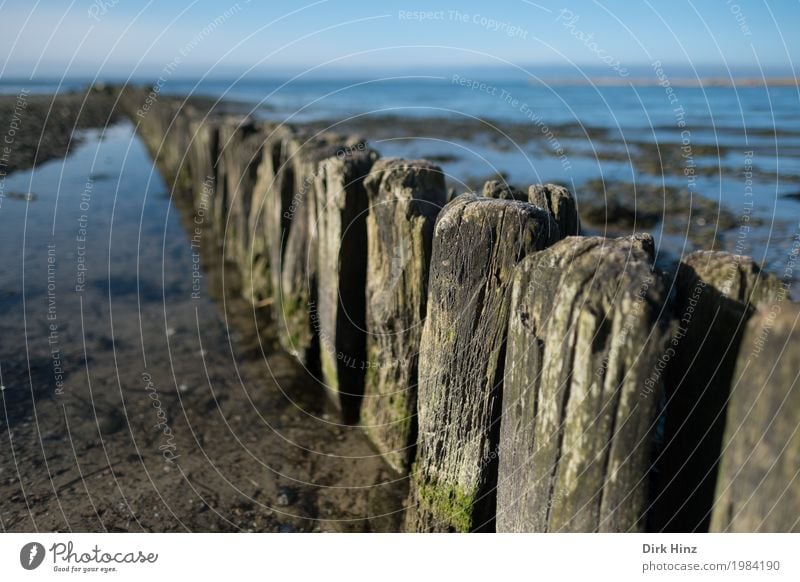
(82, 244)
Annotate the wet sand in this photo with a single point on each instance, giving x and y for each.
(38, 128)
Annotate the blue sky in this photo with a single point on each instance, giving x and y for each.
(117, 38)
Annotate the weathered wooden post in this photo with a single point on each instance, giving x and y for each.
(164, 128)
(557, 200)
(175, 147)
(291, 225)
(405, 197)
(716, 293)
(477, 243)
(757, 489)
(203, 151)
(584, 333)
(272, 187)
(560, 203)
(504, 191)
(339, 315)
(221, 200)
(240, 144)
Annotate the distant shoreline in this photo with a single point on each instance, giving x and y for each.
(11, 86)
(732, 83)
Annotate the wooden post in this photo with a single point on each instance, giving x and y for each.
(339, 315)
(757, 489)
(404, 199)
(715, 295)
(477, 243)
(585, 331)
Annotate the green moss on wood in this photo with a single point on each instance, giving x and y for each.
(448, 503)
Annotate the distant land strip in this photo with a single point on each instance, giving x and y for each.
(679, 82)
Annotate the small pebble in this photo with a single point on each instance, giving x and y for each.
(286, 496)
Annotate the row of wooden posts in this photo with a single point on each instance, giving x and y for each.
(526, 377)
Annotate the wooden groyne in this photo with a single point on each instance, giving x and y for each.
(525, 377)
